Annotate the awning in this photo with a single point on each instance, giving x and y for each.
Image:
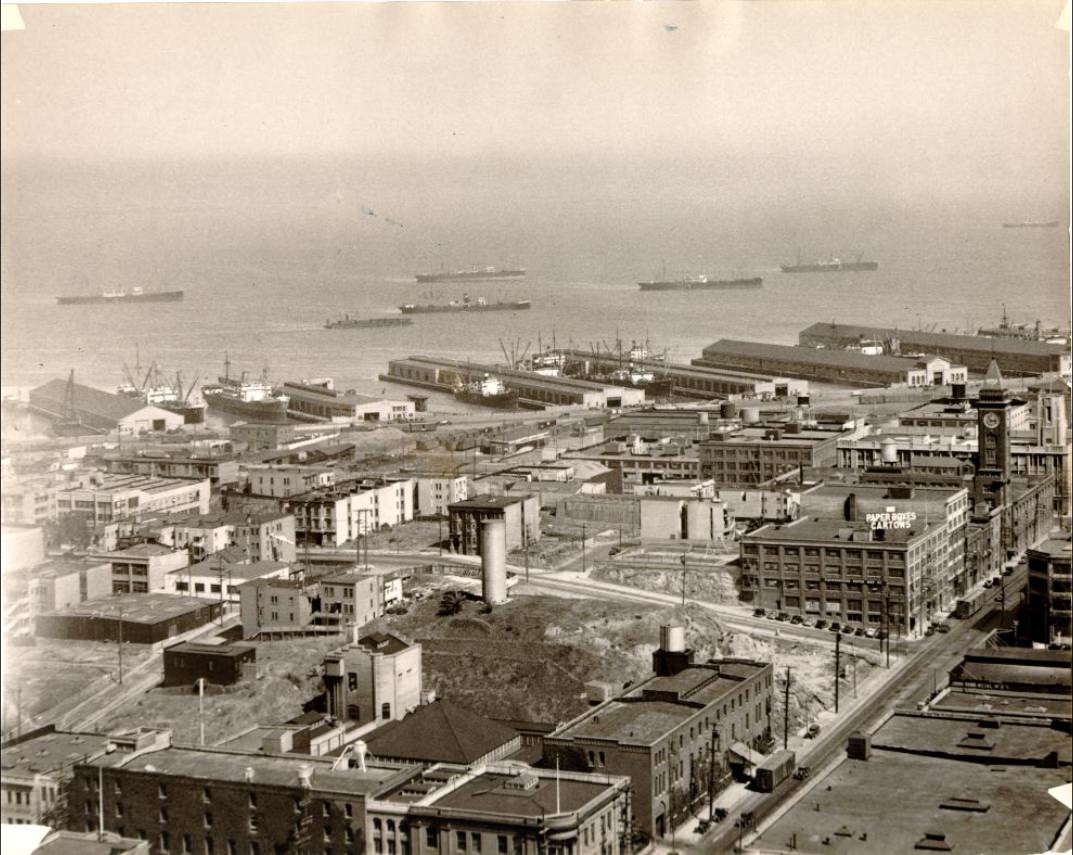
(744, 754)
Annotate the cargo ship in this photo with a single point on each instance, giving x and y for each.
(699, 283)
(474, 274)
(349, 323)
(158, 392)
(489, 391)
(831, 265)
(466, 305)
(1032, 224)
(252, 400)
(134, 295)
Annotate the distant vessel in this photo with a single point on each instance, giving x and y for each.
(1032, 224)
(158, 392)
(466, 305)
(256, 401)
(489, 391)
(831, 265)
(472, 275)
(134, 295)
(1028, 332)
(700, 283)
(348, 323)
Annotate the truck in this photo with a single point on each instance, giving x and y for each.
(774, 770)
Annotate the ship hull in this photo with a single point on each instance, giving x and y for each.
(273, 412)
(519, 305)
(470, 276)
(508, 401)
(152, 297)
(844, 267)
(714, 285)
(193, 414)
(368, 323)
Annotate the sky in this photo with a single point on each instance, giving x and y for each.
(953, 92)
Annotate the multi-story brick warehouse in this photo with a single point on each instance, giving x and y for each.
(847, 571)
(1048, 617)
(751, 456)
(214, 800)
(674, 734)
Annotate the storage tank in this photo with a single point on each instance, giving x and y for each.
(750, 415)
(672, 638)
(728, 410)
(494, 561)
(889, 451)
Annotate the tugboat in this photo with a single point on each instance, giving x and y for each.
(252, 400)
(489, 391)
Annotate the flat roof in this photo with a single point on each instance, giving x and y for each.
(110, 482)
(1005, 703)
(244, 572)
(63, 567)
(140, 550)
(1055, 548)
(841, 807)
(489, 502)
(217, 765)
(147, 608)
(818, 530)
(966, 738)
(235, 650)
(642, 722)
(51, 751)
(505, 795)
(812, 355)
(938, 340)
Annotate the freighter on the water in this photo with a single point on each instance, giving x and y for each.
(349, 323)
(831, 265)
(158, 391)
(1032, 224)
(465, 305)
(699, 283)
(134, 295)
(256, 401)
(473, 274)
(488, 391)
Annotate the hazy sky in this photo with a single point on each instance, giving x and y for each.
(923, 87)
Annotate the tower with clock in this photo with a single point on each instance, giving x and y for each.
(993, 437)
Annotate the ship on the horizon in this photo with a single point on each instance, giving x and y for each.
(474, 274)
(253, 400)
(700, 283)
(134, 295)
(1032, 224)
(349, 323)
(466, 305)
(831, 265)
(488, 391)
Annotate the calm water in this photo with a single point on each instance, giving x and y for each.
(266, 261)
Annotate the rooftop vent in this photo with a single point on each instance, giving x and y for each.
(934, 841)
(524, 781)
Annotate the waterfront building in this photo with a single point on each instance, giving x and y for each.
(66, 402)
(320, 401)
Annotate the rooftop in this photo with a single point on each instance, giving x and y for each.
(235, 650)
(971, 738)
(110, 482)
(64, 567)
(815, 530)
(139, 550)
(996, 703)
(440, 732)
(812, 355)
(377, 642)
(1055, 548)
(938, 341)
(234, 571)
(51, 751)
(488, 502)
(87, 400)
(137, 608)
(220, 765)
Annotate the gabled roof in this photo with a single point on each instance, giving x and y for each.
(441, 732)
(87, 400)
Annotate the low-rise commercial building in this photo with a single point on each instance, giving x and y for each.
(143, 568)
(755, 455)
(99, 412)
(274, 605)
(693, 520)
(667, 732)
(219, 469)
(260, 436)
(261, 535)
(58, 585)
(102, 498)
(441, 732)
(133, 618)
(319, 400)
(215, 578)
(521, 515)
(281, 480)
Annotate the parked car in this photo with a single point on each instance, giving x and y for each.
(821, 624)
(942, 627)
(859, 631)
(930, 631)
(834, 626)
(797, 619)
(847, 630)
(783, 616)
(808, 622)
(759, 612)
(1008, 571)
(813, 731)
(988, 583)
(995, 581)
(871, 632)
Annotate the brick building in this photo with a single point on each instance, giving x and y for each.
(751, 456)
(1048, 617)
(521, 514)
(674, 734)
(219, 664)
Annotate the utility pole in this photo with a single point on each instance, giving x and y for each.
(220, 584)
(201, 707)
(786, 712)
(838, 665)
(583, 549)
(711, 776)
(120, 647)
(684, 571)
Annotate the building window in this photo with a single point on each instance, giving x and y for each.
(385, 711)
(460, 840)
(432, 838)
(501, 844)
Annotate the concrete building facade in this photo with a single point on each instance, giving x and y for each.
(376, 679)
(520, 514)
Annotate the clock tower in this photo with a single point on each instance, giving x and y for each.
(993, 441)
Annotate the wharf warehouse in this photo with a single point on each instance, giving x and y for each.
(320, 401)
(444, 375)
(1013, 355)
(99, 412)
(697, 382)
(829, 366)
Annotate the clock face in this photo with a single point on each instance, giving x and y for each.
(991, 420)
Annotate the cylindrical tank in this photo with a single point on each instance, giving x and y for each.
(728, 410)
(750, 415)
(494, 561)
(889, 450)
(672, 638)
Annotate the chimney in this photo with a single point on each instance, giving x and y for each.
(849, 507)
